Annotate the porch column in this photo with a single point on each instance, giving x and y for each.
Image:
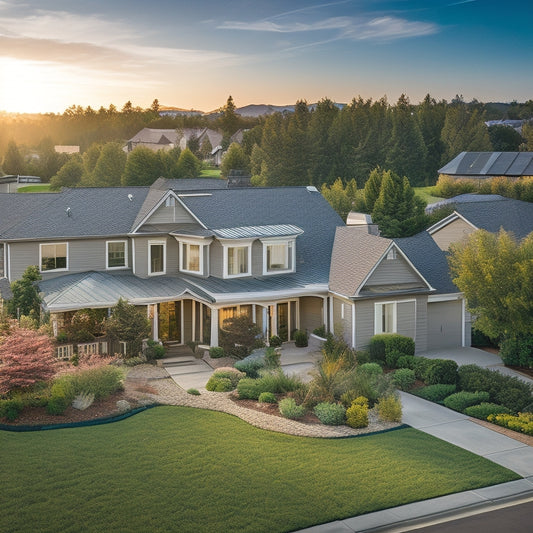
(155, 322)
(193, 311)
(274, 320)
(329, 326)
(325, 311)
(214, 326)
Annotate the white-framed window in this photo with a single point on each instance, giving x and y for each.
(157, 257)
(385, 317)
(192, 257)
(279, 256)
(53, 256)
(237, 259)
(116, 254)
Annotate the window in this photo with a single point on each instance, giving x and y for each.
(190, 258)
(391, 254)
(54, 256)
(157, 259)
(278, 256)
(117, 256)
(237, 261)
(385, 318)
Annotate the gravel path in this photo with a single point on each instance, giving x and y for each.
(169, 393)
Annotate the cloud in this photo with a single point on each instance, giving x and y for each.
(390, 28)
(334, 23)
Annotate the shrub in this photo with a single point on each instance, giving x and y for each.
(250, 367)
(381, 345)
(404, 378)
(278, 382)
(389, 408)
(275, 341)
(272, 358)
(134, 361)
(483, 410)
(238, 336)
(11, 409)
(435, 393)
(441, 371)
(267, 397)
(522, 423)
(320, 332)
(461, 400)
(219, 384)
(289, 409)
(154, 350)
(230, 373)
(216, 352)
(480, 339)
(100, 381)
(357, 415)
(517, 351)
(420, 366)
(250, 389)
(300, 339)
(391, 358)
(194, 392)
(370, 385)
(362, 357)
(406, 361)
(370, 369)
(330, 414)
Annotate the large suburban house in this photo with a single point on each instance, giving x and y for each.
(192, 253)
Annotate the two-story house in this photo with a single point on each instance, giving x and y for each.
(191, 252)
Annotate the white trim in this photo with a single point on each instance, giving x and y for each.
(7, 256)
(107, 243)
(444, 297)
(159, 203)
(133, 258)
(290, 243)
(463, 324)
(157, 243)
(329, 326)
(448, 220)
(41, 257)
(188, 243)
(354, 332)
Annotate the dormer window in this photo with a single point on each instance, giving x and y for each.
(237, 259)
(192, 259)
(278, 256)
(157, 258)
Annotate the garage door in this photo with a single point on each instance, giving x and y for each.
(444, 325)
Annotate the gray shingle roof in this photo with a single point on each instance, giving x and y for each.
(429, 260)
(488, 164)
(355, 254)
(93, 212)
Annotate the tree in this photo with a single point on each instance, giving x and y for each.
(431, 115)
(193, 144)
(234, 159)
(188, 165)
(505, 139)
(229, 117)
(109, 167)
(339, 197)
(143, 167)
(495, 273)
(128, 324)
(372, 189)
(238, 336)
(26, 358)
(69, 175)
(13, 161)
(206, 149)
(26, 300)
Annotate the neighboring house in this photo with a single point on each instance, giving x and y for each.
(67, 149)
(486, 165)
(190, 252)
(490, 212)
(12, 183)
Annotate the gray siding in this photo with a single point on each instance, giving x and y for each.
(406, 319)
(21, 256)
(257, 258)
(311, 315)
(216, 259)
(342, 326)
(141, 255)
(364, 322)
(453, 232)
(176, 214)
(393, 271)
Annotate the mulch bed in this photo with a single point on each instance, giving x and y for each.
(272, 409)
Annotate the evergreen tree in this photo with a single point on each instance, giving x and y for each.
(234, 159)
(109, 167)
(431, 115)
(206, 149)
(272, 145)
(169, 161)
(296, 152)
(187, 166)
(143, 167)
(90, 158)
(407, 155)
(372, 189)
(229, 117)
(69, 175)
(26, 300)
(13, 161)
(338, 197)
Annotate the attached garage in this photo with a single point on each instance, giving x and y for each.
(445, 324)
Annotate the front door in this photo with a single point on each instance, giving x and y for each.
(169, 321)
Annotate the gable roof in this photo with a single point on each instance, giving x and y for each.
(492, 213)
(489, 164)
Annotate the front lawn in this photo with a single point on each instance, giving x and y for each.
(44, 187)
(184, 469)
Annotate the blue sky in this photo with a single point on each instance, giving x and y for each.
(193, 54)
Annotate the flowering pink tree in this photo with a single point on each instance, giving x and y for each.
(26, 357)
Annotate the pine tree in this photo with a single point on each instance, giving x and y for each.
(188, 165)
(431, 116)
(26, 300)
(338, 197)
(109, 167)
(234, 159)
(372, 189)
(229, 117)
(13, 161)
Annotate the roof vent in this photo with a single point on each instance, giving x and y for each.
(311, 188)
(130, 197)
(68, 212)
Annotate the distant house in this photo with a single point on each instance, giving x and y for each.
(67, 149)
(484, 165)
(12, 183)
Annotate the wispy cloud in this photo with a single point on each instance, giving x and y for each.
(461, 2)
(334, 23)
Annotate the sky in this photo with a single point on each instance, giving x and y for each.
(193, 54)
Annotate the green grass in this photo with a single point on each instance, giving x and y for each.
(210, 173)
(45, 187)
(183, 469)
(427, 194)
